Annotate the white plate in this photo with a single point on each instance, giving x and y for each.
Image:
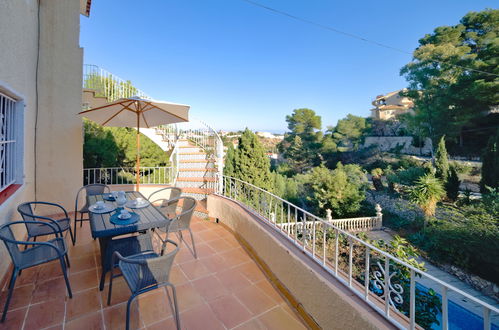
(108, 207)
(134, 205)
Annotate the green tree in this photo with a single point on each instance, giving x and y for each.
(376, 177)
(341, 190)
(446, 93)
(349, 132)
(490, 164)
(452, 185)
(442, 161)
(301, 144)
(100, 148)
(427, 192)
(250, 162)
(229, 160)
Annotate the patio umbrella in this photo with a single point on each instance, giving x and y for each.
(136, 112)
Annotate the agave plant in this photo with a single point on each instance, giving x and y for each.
(427, 192)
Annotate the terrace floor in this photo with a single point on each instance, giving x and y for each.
(223, 289)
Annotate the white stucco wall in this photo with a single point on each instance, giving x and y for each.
(59, 137)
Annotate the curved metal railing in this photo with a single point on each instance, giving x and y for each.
(369, 272)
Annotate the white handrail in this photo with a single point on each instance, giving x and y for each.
(311, 240)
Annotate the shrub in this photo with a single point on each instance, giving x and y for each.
(442, 161)
(452, 185)
(490, 164)
(427, 192)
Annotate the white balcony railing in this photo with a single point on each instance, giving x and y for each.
(126, 175)
(389, 285)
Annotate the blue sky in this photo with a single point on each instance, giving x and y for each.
(239, 66)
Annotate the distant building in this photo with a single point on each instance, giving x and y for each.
(390, 105)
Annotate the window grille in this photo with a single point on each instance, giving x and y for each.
(7, 141)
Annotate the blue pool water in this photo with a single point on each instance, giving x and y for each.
(459, 317)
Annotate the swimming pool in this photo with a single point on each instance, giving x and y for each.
(460, 318)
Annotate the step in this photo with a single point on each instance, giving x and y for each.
(197, 193)
(189, 148)
(196, 183)
(197, 173)
(196, 163)
(193, 156)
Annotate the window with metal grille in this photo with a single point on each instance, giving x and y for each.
(8, 125)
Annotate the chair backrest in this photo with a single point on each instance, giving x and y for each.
(7, 236)
(159, 268)
(169, 193)
(91, 190)
(183, 219)
(27, 214)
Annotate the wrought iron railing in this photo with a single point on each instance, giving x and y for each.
(109, 85)
(389, 285)
(126, 175)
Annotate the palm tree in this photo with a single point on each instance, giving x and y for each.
(427, 192)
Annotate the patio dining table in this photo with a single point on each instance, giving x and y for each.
(103, 229)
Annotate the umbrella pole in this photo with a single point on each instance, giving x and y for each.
(137, 170)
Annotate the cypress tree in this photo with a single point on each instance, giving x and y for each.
(251, 164)
(452, 185)
(229, 161)
(490, 164)
(442, 161)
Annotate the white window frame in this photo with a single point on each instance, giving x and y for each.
(11, 138)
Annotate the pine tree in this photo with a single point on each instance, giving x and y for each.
(442, 161)
(250, 162)
(490, 164)
(229, 161)
(452, 185)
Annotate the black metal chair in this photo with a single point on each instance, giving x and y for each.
(33, 221)
(144, 272)
(90, 190)
(180, 221)
(36, 253)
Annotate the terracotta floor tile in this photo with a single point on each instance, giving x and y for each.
(230, 311)
(255, 300)
(210, 288)
(121, 292)
(154, 306)
(220, 245)
(235, 257)
(207, 235)
(204, 250)
(195, 269)
(252, 324)
(278, 318)
(270, 291)
(115, 317)
(82, 303)
(21, 297)
(215, 263)
(188, 297)
(49, 271)
(92, 321)
(15, 319)
(183, 255)
(233, 280)
(251, 271)
(45, 314)
(200, 318)
(177, 276)
(78, 251)
(84, 280)
(49, 290)
(82, 263)
(168, 324)
(28, 276)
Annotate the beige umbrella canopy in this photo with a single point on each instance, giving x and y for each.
(137, 112)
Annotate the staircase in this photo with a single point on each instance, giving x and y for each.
(196, 174)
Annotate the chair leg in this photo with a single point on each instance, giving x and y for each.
(102, 280)
(110, 287)
(128, 305)
(81, 220)
(74, 231)
(193, 244)
(177, 317)
(163, 245)
(73, 238)
(11, 290)
(67, 260)
(64, 272)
